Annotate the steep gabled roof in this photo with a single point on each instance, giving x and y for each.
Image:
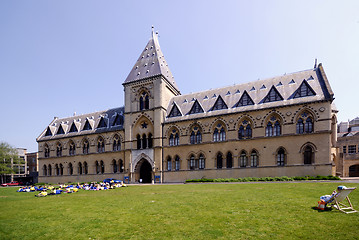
(282, 89)
(96, 122)
(151, 63)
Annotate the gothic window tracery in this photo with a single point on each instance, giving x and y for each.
(245, 130)
(305, 123)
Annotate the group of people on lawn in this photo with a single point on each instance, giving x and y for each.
(63, 188)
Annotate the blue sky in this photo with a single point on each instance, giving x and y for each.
(61, 57)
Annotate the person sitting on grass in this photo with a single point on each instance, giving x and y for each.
(32, 189)
(42, 194)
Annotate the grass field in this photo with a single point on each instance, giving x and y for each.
(187, 211)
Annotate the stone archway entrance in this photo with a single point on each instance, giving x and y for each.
(354, 171)
(144, 169)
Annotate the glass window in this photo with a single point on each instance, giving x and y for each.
(352, 149)
(280, 157)
(243, 159)
(254, 159)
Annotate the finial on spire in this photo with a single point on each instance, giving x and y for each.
(315, 63)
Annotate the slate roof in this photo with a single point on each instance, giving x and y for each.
(151, 63)
(285, 85)
(94, 118)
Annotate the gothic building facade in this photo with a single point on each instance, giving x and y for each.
(282, 126)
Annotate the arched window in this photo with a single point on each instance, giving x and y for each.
(114, 166)
(49, 170)
(219, 160)
(177, 163)
(100, 145)
(308, 155)
(192, 162)
(273, 127)
(229, 160)
(44, 170)
(243, 159)
(202, 162)
(254, 159)
(116, 143)
(59, 150)
(97, 167)
(138, 141)
(85, 147)
(219, 133)
(86, 169)
(196, 135)
(57, 170)
(169, 163)
(47, 151)
(174, 138)
(150, 140)
(305, 123)
(72, 149)
(144, 141)
(61, 169)
(144, 101)
(79, 168)
(121, 165)
(70, 169)
(281, 157)
(245, 130)
(102, 167)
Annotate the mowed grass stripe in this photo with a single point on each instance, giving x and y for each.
(189, 211)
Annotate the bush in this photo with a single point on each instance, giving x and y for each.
(264, 179)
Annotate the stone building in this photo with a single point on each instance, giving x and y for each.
(348, 146)
(282, 126)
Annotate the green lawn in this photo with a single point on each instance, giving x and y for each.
(189, 211)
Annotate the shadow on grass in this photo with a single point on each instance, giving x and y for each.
(327, 209)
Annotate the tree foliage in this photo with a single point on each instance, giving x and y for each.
(8, 154)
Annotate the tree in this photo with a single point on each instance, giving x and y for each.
(8, 157)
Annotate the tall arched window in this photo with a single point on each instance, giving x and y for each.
(196, 135)
(61, 169)
(46, 151)
(192, 162)
(219, 133)
(202, 162)
(174, 138)
(169, 163)
(57, 170)
(49, 170)
(116, 143)
(114, 166)
(245, 130)
(243, 159)
(219, 160)
(281, 157)
(97, 167)
(121, 165)
(308, 155)
(254, 158)
(70, 169)
(144, 101)
(138, 141)
(305, 123)
(79, 168)
(177, 163)
(44, 170)
(85, 147)
(150, 140)
(100, 145)
(144, 141)
(273, 127)
(72, 149)
(59, 150)
(229, 160)
(86, 169)
(102, 167)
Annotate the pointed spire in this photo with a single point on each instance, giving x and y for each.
(151, 63)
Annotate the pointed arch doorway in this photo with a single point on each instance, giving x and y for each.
(144, 170)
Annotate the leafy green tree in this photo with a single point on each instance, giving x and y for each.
(8, 154)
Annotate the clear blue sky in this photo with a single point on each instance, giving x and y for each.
(61, 57)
